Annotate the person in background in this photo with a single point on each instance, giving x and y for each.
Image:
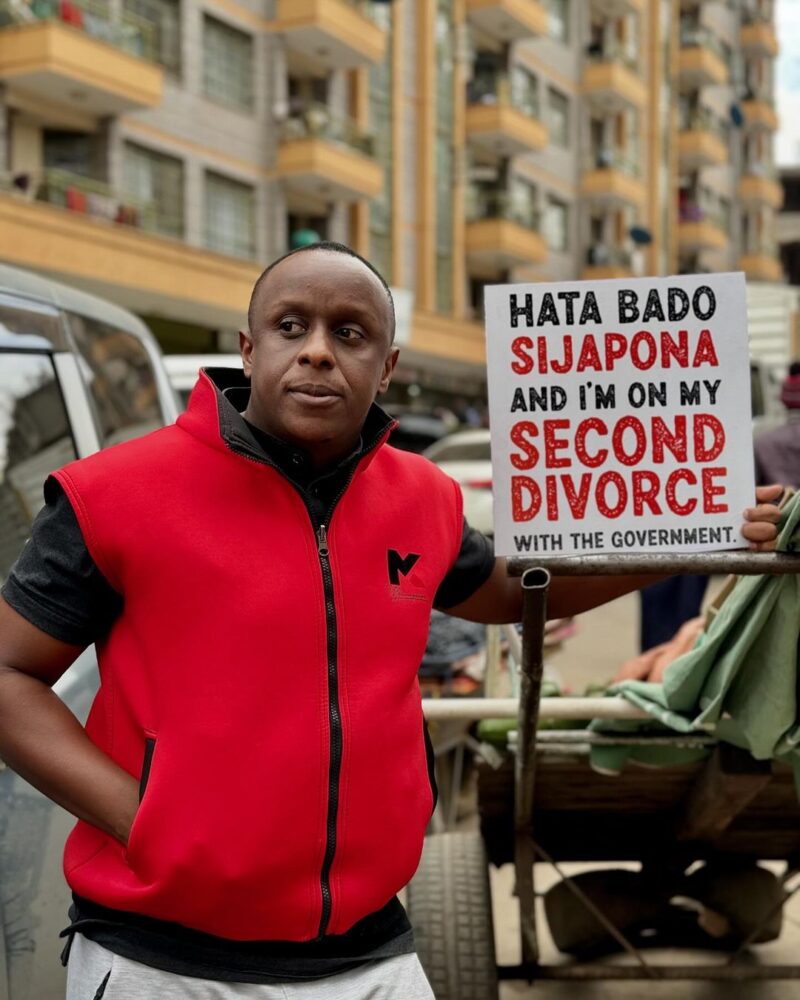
(778, 451)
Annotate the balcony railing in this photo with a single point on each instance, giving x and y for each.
(92, 198)
(704, 120)
(698, 36)
(317, 121)
(692, 211)
(757, 168)
(606, 158)
(504, 90)
(133, 33)
(603, 255)
(761, 15)
(764, 246)
(367, 8)
(497, 203)
(613, 54)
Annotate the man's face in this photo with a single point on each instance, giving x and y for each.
(319, 353)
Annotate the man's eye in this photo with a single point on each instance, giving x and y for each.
(289, 326)
(348, 333)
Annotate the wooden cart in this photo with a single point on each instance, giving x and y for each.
(544, 803)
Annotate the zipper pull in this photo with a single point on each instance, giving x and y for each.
(322, 540)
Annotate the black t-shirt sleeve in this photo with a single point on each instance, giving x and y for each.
(472, 568)
(55, 584)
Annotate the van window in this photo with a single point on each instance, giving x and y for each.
(35, 439)
(26, 317)
(120, 377)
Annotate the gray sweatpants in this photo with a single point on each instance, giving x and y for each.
(94, 973)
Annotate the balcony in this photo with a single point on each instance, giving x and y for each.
(759, 188)
(604, 262)
(701, 229)
(761, 264)
(611, 81)
(757, 36)
(612, 178)
(702, 141)
(99, 64)
(339, 34)
(501, 232)
(324, 156)
(759, 113)
(509, 20)
(83, 232)
(503, 119)
(701, 59)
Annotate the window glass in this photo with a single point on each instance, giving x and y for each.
(120, 377)
(35, 438)
(445, 160)
(558, 19)
(557, 224)
(558, 117)
(230, 216)
(156, 181)
(161, 21)
(227, 64)
(380, 116)
(69, 151)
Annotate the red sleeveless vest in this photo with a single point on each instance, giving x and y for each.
(260, 681)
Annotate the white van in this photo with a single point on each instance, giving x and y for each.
(76, 374)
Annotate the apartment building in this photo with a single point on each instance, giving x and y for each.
(161, 152)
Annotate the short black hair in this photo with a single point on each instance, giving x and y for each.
(331, 247)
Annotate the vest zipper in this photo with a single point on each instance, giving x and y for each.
(332, 640)
(334, 711)
(335, 724)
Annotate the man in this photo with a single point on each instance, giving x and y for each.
(778, 450)
(258, 578)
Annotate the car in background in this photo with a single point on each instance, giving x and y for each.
(183, 370)
(466, 456)
(77, 374)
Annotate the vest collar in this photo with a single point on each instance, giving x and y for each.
(214, 415)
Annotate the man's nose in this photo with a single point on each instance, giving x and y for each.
(317, 348)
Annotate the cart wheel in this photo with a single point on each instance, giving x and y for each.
(450, 907)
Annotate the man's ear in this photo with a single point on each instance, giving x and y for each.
(246, 350)
(388, 369)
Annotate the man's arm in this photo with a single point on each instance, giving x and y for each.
(500, 598)
(43, 741)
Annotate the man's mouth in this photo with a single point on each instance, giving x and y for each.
(314, 390)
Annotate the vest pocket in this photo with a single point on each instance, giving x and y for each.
(430, 759)
(147, 763)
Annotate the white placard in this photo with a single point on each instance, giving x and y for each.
(620, 415)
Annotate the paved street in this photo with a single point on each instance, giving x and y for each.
(605, 637)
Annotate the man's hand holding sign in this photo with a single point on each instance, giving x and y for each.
(621, 422)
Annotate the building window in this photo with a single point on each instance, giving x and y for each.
(230, 216)
(558, 117)
(558, 20)
(227, 65)
(380, 116)
(156, 181)
(525, 91)
(445, 158)
(159, 23)
(71, 152)
(557, 224)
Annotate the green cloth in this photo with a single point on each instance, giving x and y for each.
(739, 683)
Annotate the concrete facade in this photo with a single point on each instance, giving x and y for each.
(636, 75)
